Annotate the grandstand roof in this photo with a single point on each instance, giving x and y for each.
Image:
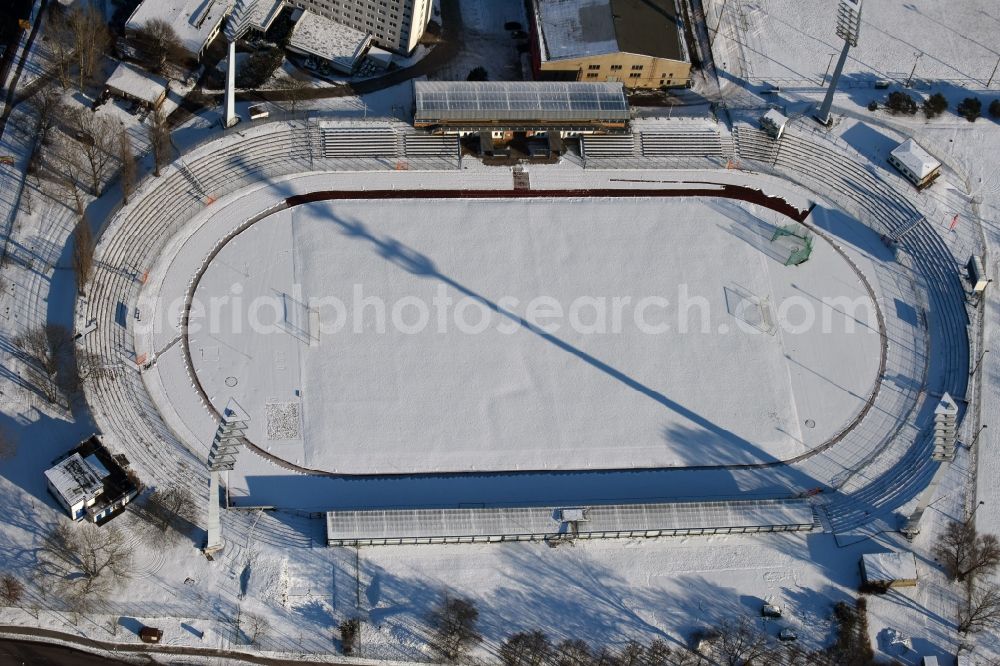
(570, 29)
(426, 524)
(519, 101)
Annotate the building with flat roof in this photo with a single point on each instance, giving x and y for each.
(896, 569)
(90, 483)
(196, 22)
(396, 25)
(135, 85)
(339, 45)
(638, 43)
(532, 107)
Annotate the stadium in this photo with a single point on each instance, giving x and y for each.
(676, 316)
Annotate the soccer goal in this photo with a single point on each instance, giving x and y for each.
(300, 320)
(794, 242)
(750, 308)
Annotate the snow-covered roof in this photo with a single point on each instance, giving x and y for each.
(775, 116)
(194, 21)
(341, 45)
(584, 28)
(263, 13)
(519, 100)
(911, 155)
(75, 480)
(137, 84)
(882, 567)
(421, 524)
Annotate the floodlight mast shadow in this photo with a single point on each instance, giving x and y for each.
(848, 29)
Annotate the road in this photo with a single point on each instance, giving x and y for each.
(24, 653)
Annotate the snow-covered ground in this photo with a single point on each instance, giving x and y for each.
(790, 43)
(606, 591)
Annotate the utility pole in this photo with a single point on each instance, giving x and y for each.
(848, 29)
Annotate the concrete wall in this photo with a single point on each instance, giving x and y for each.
(634, 71)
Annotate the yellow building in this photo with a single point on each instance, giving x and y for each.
(638, 43)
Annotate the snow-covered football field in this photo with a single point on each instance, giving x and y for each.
(408, 336)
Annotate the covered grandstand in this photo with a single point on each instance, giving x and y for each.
(464, 107)
(421, 526)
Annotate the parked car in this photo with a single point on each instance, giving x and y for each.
(770, 610)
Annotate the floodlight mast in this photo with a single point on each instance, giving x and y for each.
(848, 29)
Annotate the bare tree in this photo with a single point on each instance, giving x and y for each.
(736, 643)
(454, 624)
(573, 652)
(47, 107)
(251, 627)
(83, 254)
(11, 590)
(80, 38)
(157, 44)
(8, 444)
(126, 158)
(294, 90)
(85, 562)
(91, 39)
(982, 610)
(170, 510)
(46, 349)
(159, 137)
(964, 552)
(96, 140)
(88, 364)
(530, 648)
(62, 40)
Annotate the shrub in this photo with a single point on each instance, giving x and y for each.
(970, 108)
(349, 634)
(901, 102)
(873, 106)
(478, 74)
(935, 105)
(995, 108)
(258, 68)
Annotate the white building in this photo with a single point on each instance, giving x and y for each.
(773, 122)
(76, 483)
(340, 45)
(133, 84)
(90, 483)
(919, 167)
(889, 569)
(196, 22)
(396, 25)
